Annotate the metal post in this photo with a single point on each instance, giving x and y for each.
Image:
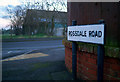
(100, 60)
(74, 55)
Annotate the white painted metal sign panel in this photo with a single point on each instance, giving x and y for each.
(86, 33)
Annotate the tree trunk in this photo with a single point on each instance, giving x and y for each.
(52, 27)
(11, 31)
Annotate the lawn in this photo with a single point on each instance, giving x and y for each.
(8, 36)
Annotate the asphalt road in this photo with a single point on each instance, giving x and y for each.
(51, 66)
(17, 48)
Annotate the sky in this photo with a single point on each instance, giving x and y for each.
(4, 20)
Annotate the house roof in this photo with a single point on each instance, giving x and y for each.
(33, 16)
(46, 14)
(41, 12)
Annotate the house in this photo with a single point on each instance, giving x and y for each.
(42, 21)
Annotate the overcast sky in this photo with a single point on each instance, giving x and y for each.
(3, 4)
(4, 21)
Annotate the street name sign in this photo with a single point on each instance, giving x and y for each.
(86, 33)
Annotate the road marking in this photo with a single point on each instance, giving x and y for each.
(26, 56)
(9, 51)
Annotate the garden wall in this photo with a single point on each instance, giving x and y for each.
(86, 13)
(87, 63)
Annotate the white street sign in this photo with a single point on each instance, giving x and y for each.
(86, 33)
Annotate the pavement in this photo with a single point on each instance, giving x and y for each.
(39, 64)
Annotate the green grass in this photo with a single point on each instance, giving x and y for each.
(8, 36)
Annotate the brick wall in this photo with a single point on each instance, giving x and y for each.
(87, 65)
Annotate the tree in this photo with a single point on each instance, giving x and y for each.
(56, 6)
(16, 16)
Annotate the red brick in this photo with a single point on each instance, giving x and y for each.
(112, 60)
(70, 51)
(93, 78)
(84, 58)
(90, 77)
(90, 71)
(93, 61)
(119, 75)
(94, 72)
(115, 67)
(78, 56)
(84, 69)
(106, 71)
(94, 56)
(84, 77)
(80, 66)
(77, 61)
(112, 73)
(105, 77)
(77, 70)
(87, 75)
(81, 61)
(70, 61)
(78, 76)
(66, 66)
(90, 66)
(112, 78)
(88, 55)
(106, 65)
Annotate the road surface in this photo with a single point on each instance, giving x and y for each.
(50, 64)
(18, 48)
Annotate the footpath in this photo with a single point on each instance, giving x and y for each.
(44, 64)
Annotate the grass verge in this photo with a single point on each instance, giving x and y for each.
(8, 36)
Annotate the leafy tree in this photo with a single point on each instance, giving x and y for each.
(34, 24)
